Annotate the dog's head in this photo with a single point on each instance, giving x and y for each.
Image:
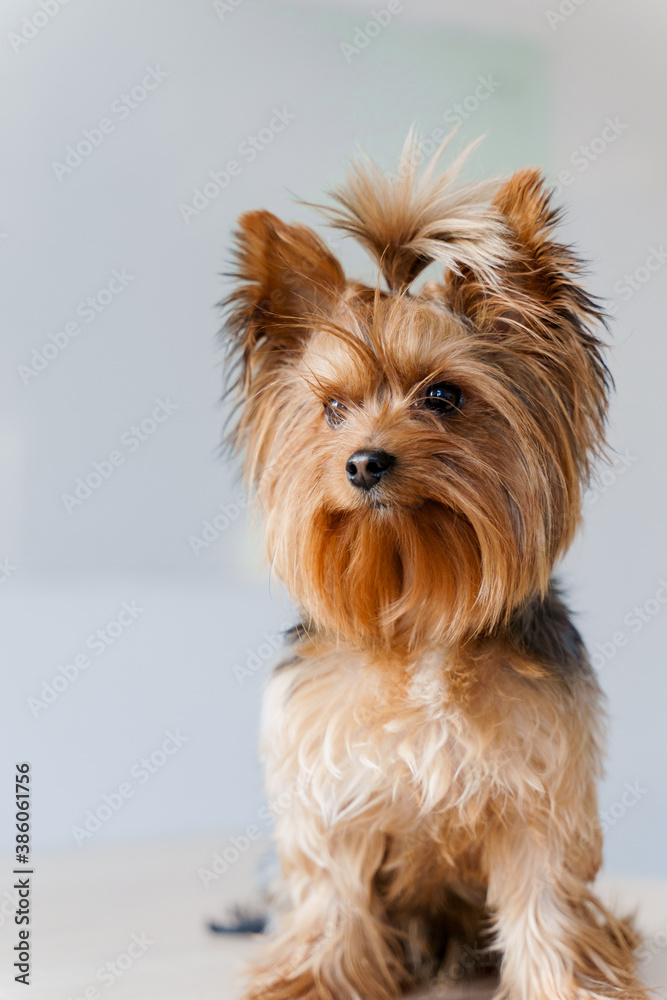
(419, 457)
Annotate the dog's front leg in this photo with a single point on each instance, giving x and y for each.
(558, 941)
(333, 942)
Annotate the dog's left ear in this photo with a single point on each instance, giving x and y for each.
(286, 278)
(537, 287)
(537, 310)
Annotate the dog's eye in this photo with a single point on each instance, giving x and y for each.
(334, 412)
(443, 398)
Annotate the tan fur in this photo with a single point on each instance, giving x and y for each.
(407, 220)
(441, 777)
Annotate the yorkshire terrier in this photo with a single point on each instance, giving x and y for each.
(419, 456)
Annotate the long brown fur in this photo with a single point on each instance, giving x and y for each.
(437, 728)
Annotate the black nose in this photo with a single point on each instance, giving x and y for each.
(365, 469)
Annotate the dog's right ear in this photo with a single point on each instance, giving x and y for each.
(286, 279)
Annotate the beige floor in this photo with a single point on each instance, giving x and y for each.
(88, 904)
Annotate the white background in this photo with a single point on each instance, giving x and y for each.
(559, 79)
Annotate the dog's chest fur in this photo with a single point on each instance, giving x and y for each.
(358, 741)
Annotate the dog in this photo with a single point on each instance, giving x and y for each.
(435, 731)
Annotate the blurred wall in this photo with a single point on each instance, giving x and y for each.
(135, 609)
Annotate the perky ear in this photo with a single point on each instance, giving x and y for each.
(286, 278)
(537, 309)
(537, 286)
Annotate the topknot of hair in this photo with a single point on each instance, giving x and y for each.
(408, 219)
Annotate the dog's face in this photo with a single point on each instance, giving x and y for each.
(418, 458)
